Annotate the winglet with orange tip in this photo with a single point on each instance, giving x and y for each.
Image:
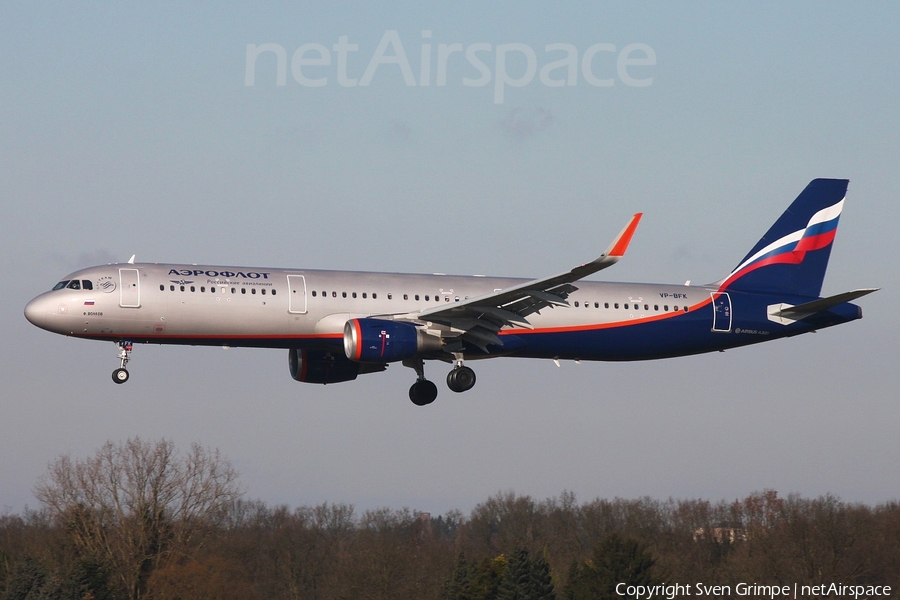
(620, 244)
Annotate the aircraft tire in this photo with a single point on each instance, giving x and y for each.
(120, 375)
(423, 392)
(461, 379)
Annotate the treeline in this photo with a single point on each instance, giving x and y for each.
(509, 547)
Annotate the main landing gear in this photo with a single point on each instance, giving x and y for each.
(461, 378)
(424, 392)
(120, 375)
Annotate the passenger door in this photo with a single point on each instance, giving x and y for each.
(129, 288)
(721, 302)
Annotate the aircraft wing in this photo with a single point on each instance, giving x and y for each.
(477, 320)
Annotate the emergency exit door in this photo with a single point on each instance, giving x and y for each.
(296, 294)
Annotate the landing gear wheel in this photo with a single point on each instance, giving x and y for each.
(423, 392)
(461, 379)
(120, 375)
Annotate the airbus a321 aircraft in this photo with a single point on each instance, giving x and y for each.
(337, 325)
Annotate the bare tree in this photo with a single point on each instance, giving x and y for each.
(137, 505)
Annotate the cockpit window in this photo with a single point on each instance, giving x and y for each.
(60, 285)
(74, 285)
(86, 285)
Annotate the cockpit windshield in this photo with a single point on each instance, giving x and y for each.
(74, 284)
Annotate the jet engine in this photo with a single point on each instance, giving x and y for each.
(317, 366)
(380, 340)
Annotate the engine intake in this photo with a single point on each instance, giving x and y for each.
(380, 340)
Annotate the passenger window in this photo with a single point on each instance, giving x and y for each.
(243, 290)
(675, 308)
(314, 293)
(343, 294)
(606, 305)
(182, 288)
(374, 295)
(427, 298)
(253, 291)
(406, 296)
(193, 289)
(171, 288)
(390, 296)
(263, 291)
(354, 294)
(334, 294)
(273, 292)
(162, 288)
(616, 305)
(596, 305)
(87, 285)
(74, 285)
(417, 297)
(646, 307)
(656, 307)
(665, 307)
(233, 290)
(202, 288)
(685, 309)
(365, 295)
(576, 304)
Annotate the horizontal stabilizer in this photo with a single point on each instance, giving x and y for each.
(787, 313)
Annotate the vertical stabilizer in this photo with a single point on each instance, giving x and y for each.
(792, 256)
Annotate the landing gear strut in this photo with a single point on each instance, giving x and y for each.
(422, 392)
(120, 375)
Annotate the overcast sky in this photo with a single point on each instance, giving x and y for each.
(136, 128)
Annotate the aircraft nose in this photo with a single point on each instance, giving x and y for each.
(38, 312)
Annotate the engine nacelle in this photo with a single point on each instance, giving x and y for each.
(383, 341)
(316, 366)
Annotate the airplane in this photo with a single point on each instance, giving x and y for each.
(337, 325)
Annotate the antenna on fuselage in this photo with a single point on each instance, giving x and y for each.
(131, 260)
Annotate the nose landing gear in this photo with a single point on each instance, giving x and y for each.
(120, 375)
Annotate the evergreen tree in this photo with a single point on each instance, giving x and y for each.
(459, 586)
(526, 579)
(26, 581)
(541, 581)
(615, 560)
(486, 577)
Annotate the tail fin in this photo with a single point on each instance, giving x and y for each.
(791, 258)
